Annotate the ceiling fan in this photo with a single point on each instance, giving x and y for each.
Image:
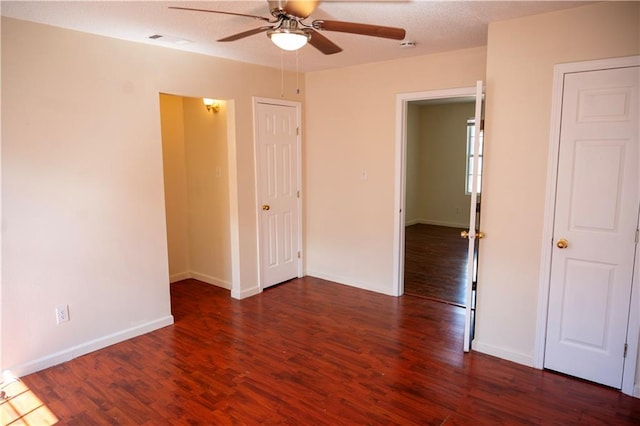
(288, 30)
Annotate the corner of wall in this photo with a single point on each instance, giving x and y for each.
(500, 352)
(248, 292)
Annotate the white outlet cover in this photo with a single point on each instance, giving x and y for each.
(62, 313)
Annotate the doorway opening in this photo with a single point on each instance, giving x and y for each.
(472, 234)
(196, 183)
(437, 198)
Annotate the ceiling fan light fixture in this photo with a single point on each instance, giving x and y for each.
(289, 39)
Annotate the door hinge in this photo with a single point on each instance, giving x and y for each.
(637, 231)
(297, 131)
(299, 258)
(624, 355)
(298, 194)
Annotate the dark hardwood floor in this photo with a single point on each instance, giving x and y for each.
(311, 352)
(435, 263)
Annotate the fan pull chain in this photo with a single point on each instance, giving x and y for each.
(297, 74)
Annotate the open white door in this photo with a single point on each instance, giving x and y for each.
(473, 233)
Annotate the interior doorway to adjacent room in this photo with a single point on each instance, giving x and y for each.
(437, 199)
(196, 183)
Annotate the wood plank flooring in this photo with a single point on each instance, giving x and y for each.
(435, 263)
(313, 352)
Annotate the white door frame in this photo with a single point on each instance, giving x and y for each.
(402, 102)
(559, 72)
(298, 107)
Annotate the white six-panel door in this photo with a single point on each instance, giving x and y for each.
(596, 218)
(277, 157)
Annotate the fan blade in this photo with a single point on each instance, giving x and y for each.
(363, 29)
(300, 8)
(219, 11)
(323, 44)
(246, 33)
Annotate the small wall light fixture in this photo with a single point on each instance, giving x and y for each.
(211, 104)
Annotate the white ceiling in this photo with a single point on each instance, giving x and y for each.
(435, 26)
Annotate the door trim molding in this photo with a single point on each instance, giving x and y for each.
(402, 100)
(559, 72)
(298, 106)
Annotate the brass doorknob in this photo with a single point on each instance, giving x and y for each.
(265, 207)
(562, 243)
(465, 234)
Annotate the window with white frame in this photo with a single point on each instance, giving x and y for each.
(471, 131)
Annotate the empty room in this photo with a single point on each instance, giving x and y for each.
(203, 224)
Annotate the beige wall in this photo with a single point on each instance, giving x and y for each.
(175, 185)
(194, 143)
(412, 211)
(82, 184)
(350, 129)
(520, 59)
(207, 187)
(435, 187)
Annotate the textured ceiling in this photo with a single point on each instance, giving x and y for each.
(434, 26)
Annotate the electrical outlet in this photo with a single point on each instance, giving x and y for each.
(62, 313)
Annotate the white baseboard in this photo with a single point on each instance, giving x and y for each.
(90, 346)
(210, 280)
(179, 277)
(200, 277)
(503, 353)
(245, 293)
(349, 282)
(436, 223)
(636, 391)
